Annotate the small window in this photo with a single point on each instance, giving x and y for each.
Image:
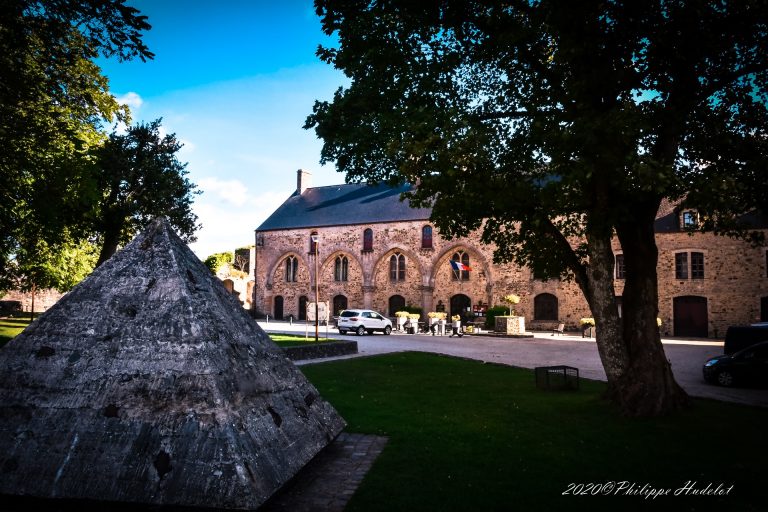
(368, 240)
(313, 242)
(291, 269)
(681, 265)
(690, 219)
(620, 271)
(697, 265)
(426, 237)
(397, 267)
(341, 268)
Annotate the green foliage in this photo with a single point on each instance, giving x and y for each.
(140, 178)
(53, 103)
(492, 313)
(542, 121)
(413, 309)
(551, 127)
(217, 260)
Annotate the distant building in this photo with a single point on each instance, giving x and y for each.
(377, 252)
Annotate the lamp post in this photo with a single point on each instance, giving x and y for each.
(316, 242)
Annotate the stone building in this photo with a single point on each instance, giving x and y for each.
(374, 251)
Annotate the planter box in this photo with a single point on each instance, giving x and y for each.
(510, 324)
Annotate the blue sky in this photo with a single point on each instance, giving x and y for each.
(234, 81)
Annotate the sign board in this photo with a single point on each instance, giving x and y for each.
(322, 310)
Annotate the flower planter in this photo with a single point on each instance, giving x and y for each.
(510, 324)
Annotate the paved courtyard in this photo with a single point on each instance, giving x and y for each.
(686, 356)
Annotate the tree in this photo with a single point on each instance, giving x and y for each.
(554, 126)
(215, 261)
(53, 101)
(38, 265)
(140, 178)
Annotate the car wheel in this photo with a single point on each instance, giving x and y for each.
(342, 331)
(387, 330)
(725, 378)
(360, 330)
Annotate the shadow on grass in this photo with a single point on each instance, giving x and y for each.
(471, 436)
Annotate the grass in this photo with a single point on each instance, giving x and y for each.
(290, 340)
(10, 327)
(464, 435)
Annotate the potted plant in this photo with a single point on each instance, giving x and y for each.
(587, 324)
(456, 325)
(511, 300)
(510, 324)
(402, 317)
(413, 322)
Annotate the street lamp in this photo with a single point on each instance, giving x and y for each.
(316, 242)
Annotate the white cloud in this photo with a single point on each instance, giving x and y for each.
(132, 99)
(227, 227)
(233, 192)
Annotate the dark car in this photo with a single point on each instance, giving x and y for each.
(747, 367)
(740, 337)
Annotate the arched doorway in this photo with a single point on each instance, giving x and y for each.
(460, 303)
(303, 307)
(339, 303)
(690, 316)
(396, 303)
(545, 307)
(279, 307)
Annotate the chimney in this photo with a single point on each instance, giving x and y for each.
(303, 180)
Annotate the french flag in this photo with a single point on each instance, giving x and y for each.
(457, 265)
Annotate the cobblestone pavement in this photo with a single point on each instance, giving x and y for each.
(328, 482)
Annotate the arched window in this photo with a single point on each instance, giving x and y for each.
(397, 267)
(545, 307)
(463, 258)
(368, 240)
(426, 237)
(291, 269)
(340, 268)
(313, 242)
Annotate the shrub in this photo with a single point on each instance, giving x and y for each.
(491, 314)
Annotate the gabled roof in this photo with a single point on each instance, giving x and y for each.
(149, 383)
(340, 205)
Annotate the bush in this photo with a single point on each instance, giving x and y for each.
(413, 310)
(492, 313)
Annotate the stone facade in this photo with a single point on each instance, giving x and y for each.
(733, 289)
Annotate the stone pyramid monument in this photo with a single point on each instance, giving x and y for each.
(149, 384)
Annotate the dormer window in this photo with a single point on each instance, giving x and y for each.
(690, 219)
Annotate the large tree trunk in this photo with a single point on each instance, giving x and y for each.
(111, 233)
(640, 379)
(648, 388)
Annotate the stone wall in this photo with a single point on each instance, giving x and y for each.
(44, 299)
(735, 275)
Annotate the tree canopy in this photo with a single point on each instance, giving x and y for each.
(552, 126)
(53, 102)
(139, 177)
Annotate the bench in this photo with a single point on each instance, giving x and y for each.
(559, 329)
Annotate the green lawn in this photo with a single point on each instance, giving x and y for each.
(468, 436)
(10, 327)
(290, 340)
